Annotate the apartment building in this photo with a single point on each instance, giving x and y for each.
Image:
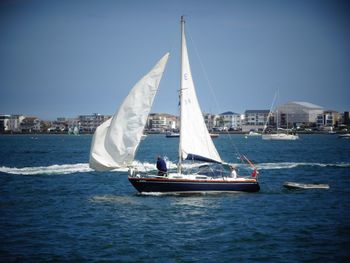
(328, 118)
(89, 123)
(255, 120)
(230, 120)
(4, 123)
(161, 122)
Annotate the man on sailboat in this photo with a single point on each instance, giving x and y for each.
(161, 166)
(233, 171)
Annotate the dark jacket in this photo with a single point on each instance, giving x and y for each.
(161, 165)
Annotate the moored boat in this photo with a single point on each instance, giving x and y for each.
(294, 185)
(280, 136)
(172, 135)
(253, 133)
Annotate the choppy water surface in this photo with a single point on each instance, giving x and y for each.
(55, 208)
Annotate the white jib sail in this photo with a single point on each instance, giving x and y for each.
(195, 139)
(115, 141)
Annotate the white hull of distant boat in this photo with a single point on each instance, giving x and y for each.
(115, 141)
(293, 185)
(252, 133)
(172, 135)
(280, 136)
(214, 135)
(344, 136)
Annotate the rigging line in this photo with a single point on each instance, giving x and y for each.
(203, 69)
(270, 112)
(210, 87)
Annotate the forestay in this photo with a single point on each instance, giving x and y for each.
(195, 140)
(115, 141)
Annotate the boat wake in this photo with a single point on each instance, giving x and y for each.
(52, 169)
(147, 167)
(113, 199)
(291, 165)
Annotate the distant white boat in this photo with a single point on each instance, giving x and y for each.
(331, 131)
(280, 136)
(253, 133)
(344, 136)
(73, 131)
(293, 185)
(143, 136)
(76, 130)
(172, 135)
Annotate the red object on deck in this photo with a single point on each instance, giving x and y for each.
(254, 173)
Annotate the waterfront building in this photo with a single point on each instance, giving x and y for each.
(345, 118)
(30, 124)
(15, 123)
(297, 113)
(328, 118)
(89, 123)
(58, 126)
(63, 124)
(161, 122)
(11, 123)
(211, 121)
(172, 122)
(255, 120)
(230, 120)
(4, 123)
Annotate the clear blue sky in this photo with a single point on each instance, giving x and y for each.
(65, 58)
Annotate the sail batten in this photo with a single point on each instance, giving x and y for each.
(115, 141)
(194, 136)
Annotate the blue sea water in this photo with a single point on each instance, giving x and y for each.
(54, 208)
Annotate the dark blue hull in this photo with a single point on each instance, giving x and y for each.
(187, 186)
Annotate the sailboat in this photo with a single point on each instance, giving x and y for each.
(279, 135)
(115, 142)
(76, 130)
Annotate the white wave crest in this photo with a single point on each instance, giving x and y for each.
(113, 199)
(291, 165)
(52, 169)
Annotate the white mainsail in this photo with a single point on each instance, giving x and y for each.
(195, 140)
(115, 141)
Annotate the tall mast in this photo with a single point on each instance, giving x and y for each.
(180, 92)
